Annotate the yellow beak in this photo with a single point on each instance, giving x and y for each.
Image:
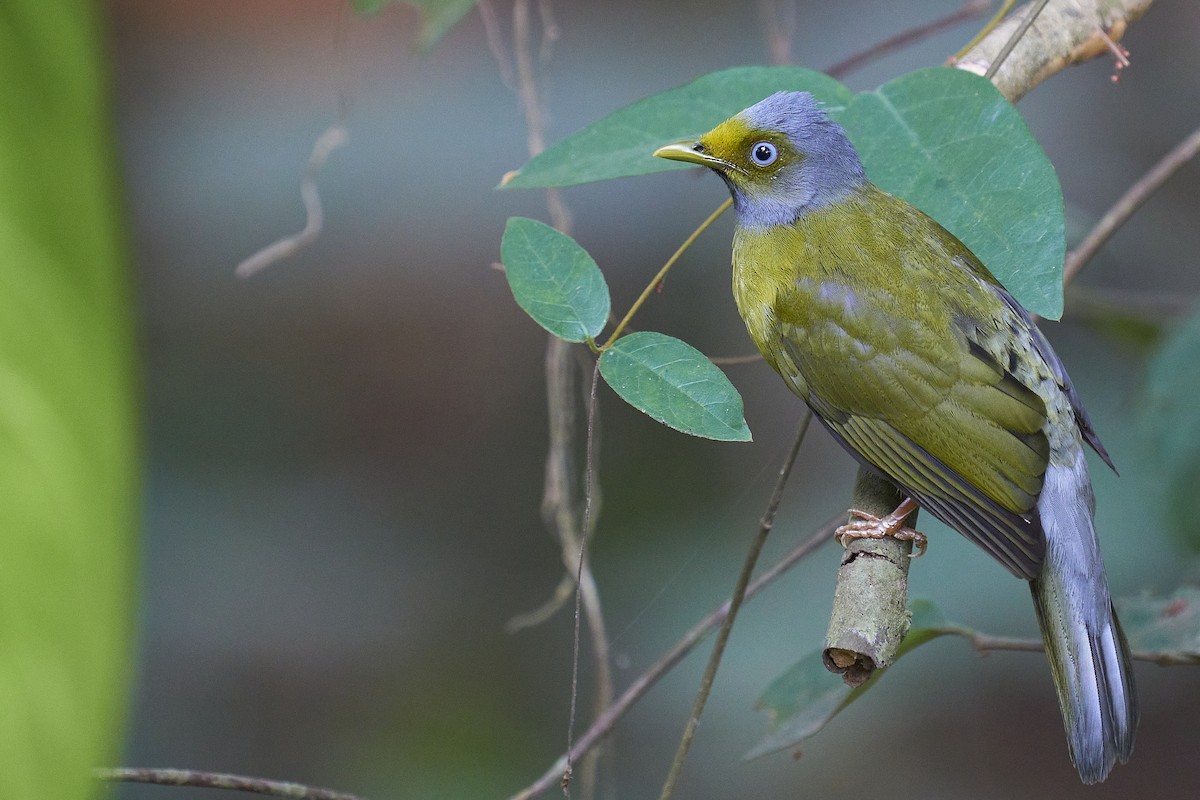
(691, 151)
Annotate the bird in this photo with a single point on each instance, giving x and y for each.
(920, 364)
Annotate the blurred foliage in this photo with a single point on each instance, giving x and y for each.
(67, 461)
(801, 701)
(1167, 625)
(1169, 418)
(437, 16)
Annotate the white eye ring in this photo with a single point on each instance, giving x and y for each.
(764, 154)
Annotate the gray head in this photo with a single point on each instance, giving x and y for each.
(781, 158)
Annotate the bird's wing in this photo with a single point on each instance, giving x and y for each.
(931, 408)
(1060, 374)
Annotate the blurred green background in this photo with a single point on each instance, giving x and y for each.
(344, 454)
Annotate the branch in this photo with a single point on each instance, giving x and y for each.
(985, 643)
(870, 616)
(969, 10)
(334, 137)
(1067, 32)
(1130, 202)
(560, 504)
(739, 594)
(219, 780)
(607, 720)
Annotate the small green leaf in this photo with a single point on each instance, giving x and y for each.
(437, 16)
(675, 384)
(1163, 624)
(554, 280)
(1169, 420)
(949, 143)
(802, 701)
(621, 144)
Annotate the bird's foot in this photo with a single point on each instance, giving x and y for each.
(869, 526)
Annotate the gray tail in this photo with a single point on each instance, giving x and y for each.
(1091, 665)
(1089, 657)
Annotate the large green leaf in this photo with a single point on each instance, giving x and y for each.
(437, 16)
(949, 143)
(622, 143)
(554, 280)
(675, 384)
(1169, 419)
(943, 139)
(68, 466)
(801, 701)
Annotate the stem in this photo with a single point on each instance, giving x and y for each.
(559, 503)
(985, 643)
(1130, 202)
(735, 603)
(587, 519)
(662, 273)
(314, 218)
(608, 720)
(968, 10)
(1016, 37)
(1005, 7)
(219, 780)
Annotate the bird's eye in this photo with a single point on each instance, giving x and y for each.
(764, 154)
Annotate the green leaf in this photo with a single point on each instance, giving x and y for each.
(437, 16)
(621, 144)
(802, 701)
(554, 280)
(675, 384)
(943, 139)
(949, 143)
(1169, 420)
(68, 444)
(1169, 625)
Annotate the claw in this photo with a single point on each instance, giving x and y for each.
(869, 526)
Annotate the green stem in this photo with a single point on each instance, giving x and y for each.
(992, 23)
(662, 273)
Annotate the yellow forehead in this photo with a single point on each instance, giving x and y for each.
(731, 140)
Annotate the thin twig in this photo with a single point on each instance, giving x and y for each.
(1016, 37)
(559, 503)
(527, 91)
(1005, 7)
(608, 720)
(662, 273)
(969, 10)
(780, 24)
(582, 559)
(219, 780)
(495, 42)
(739, 594)
(985, 643)
(334, 137)
(1130, 202)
